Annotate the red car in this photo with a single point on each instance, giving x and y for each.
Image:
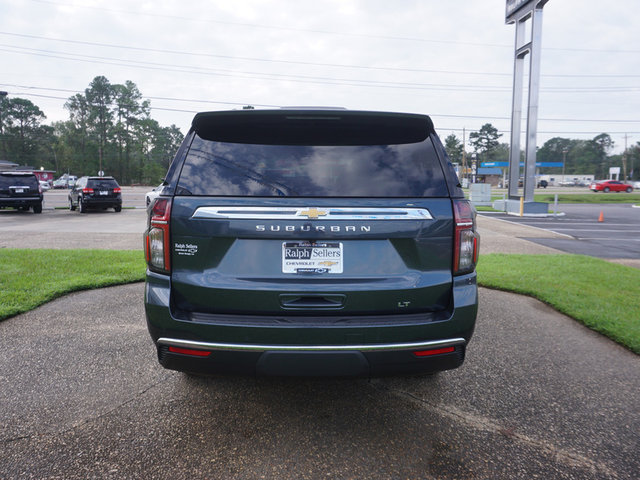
(611, 186)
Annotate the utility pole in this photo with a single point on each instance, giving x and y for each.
(3, 152)
(464, 153)
(624, 160)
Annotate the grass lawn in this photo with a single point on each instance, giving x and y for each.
(586, 197)
(603, 296)
(590, 197)
(29, 278)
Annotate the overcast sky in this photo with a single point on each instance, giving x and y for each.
(452, 60)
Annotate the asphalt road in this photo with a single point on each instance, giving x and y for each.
(580, 230)
(61, 228)
(82, 395)
(132, 197)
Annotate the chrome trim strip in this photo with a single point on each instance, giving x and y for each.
(312, 213)
(309, 348)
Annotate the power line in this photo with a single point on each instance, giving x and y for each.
(199, 69)
(444, 129)
(199, 19)
(292, 62)
(302, 78)
(268, 76)
(217, 102)
(149, 97)
(253, 59)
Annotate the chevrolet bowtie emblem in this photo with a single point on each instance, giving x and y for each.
(313, 213)
(327, 263)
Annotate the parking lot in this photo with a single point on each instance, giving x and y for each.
(57, 227)
(132, 197)
(599, 230)
(82, 394)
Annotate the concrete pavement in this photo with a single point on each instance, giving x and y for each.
(539, 396)
(499, 236)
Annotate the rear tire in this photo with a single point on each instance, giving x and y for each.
(629, 189)
(37, 208)
(118, 208)
(82, 208)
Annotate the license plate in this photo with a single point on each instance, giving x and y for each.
(103, 192)
(307, 257)
(19, 190)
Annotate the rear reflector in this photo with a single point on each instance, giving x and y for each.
(189, 351)
(436, 351)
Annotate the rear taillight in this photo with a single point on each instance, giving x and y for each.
(117, 190)
(87, 190)
(156, 242)
(467, 241)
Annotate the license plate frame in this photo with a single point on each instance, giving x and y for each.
(304, 257)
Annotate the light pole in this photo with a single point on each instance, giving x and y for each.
(565, 150)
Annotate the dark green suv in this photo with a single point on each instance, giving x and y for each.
(311, 243)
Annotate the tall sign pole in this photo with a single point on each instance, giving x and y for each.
(519, 12)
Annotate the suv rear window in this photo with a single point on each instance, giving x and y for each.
(7, 181)
(102, 183)
(216, 168)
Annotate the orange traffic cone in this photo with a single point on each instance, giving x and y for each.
(601, 217)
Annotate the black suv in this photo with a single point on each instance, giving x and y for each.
(20, 190)
(95, 192)
(311, 242)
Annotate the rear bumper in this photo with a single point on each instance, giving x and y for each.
(305, 360)
(102, 202)
(16, 202)
(379, 349)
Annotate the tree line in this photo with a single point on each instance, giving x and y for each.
(579, 156)
(109, 129)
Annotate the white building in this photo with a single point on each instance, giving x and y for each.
(570, 180)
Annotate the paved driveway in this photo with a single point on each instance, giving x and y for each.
(82, 396)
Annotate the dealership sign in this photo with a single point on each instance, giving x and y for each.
(506, 164)
(519, 8)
